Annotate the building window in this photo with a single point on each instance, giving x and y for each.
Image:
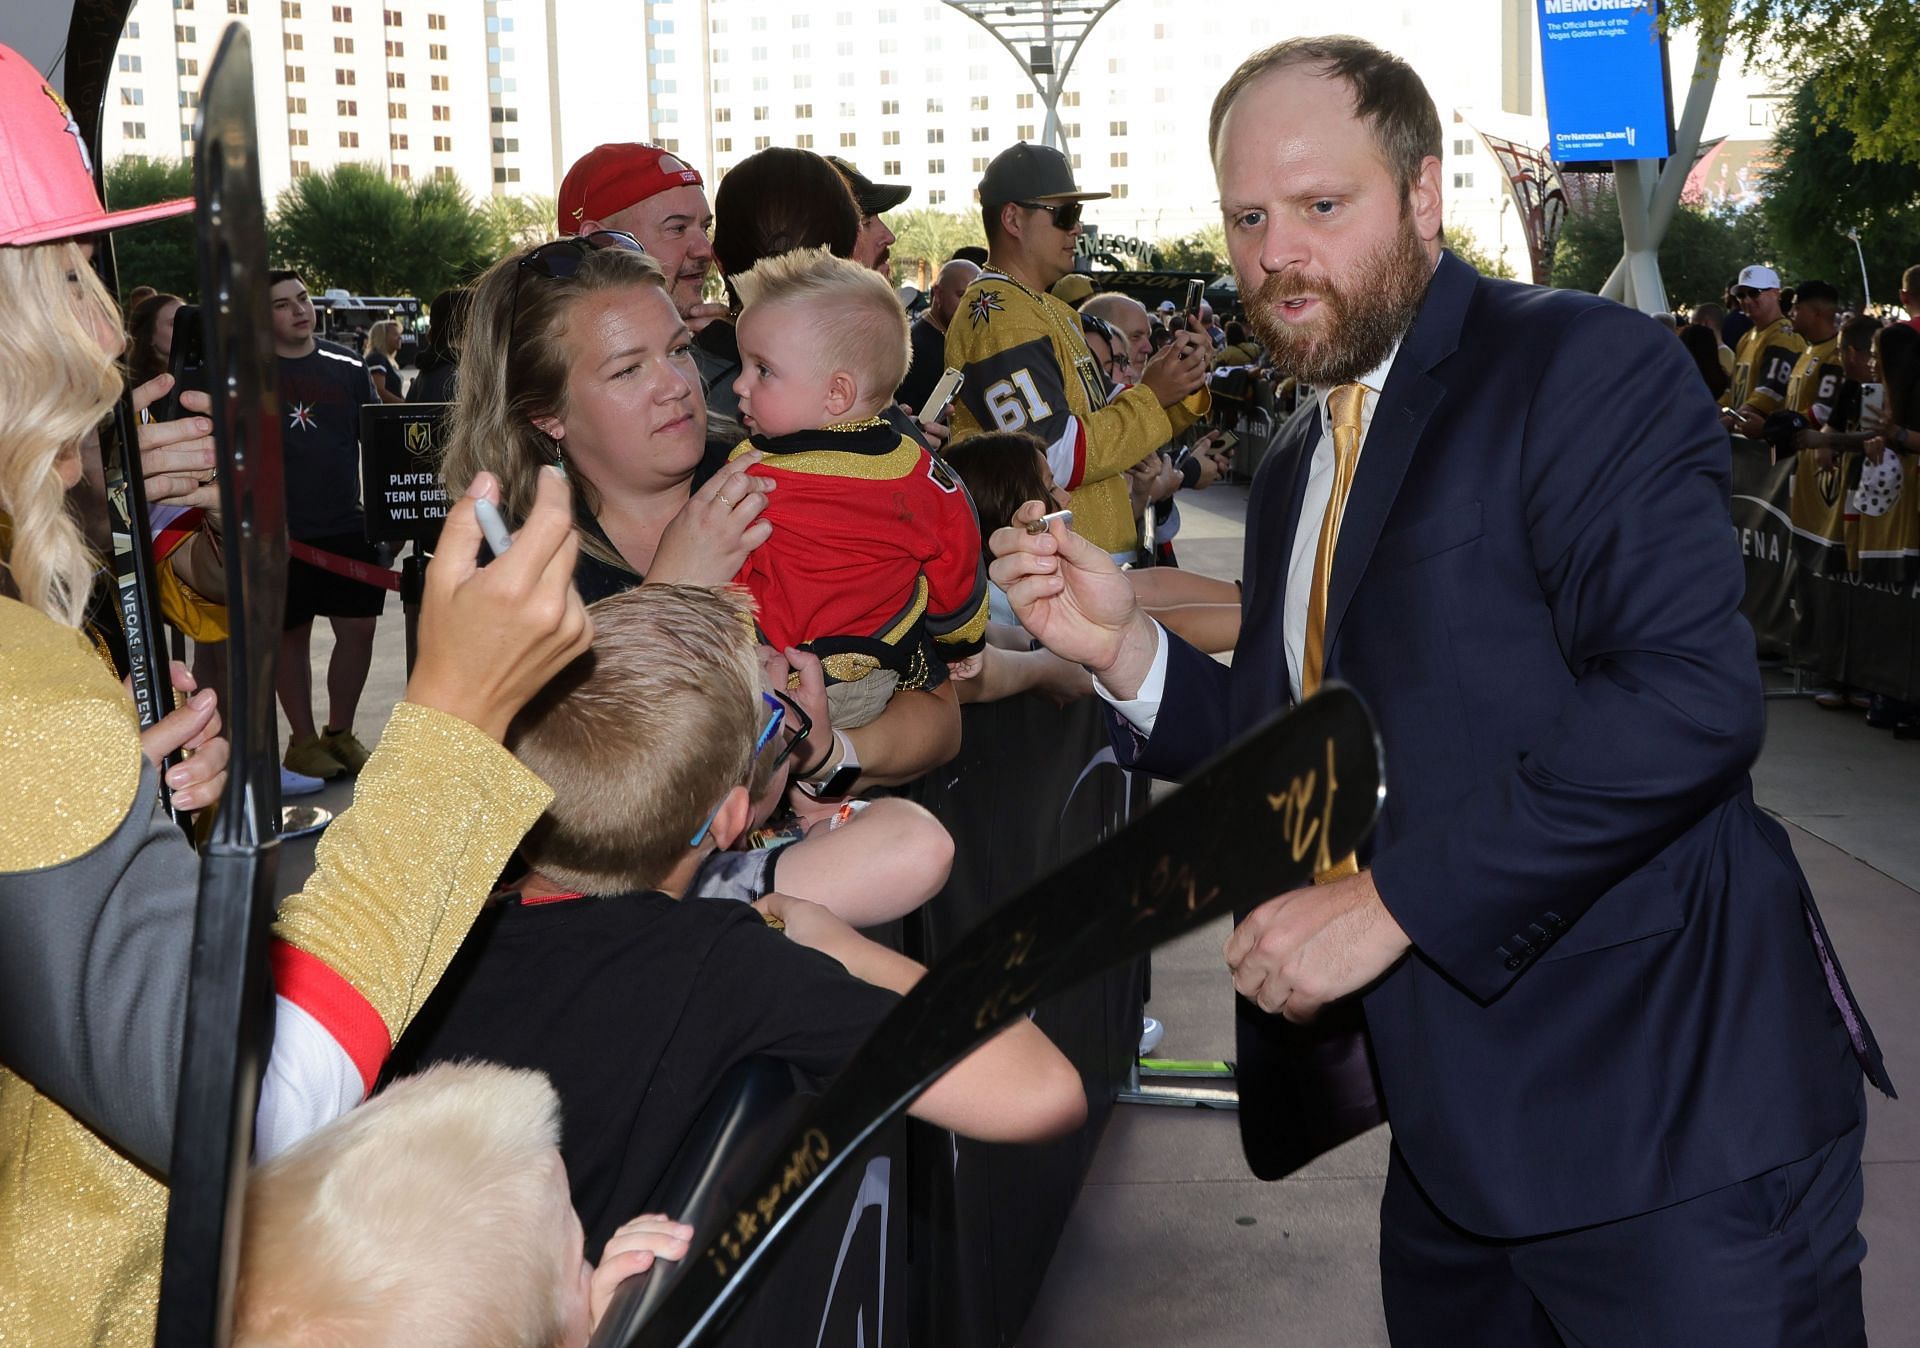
(980, 133)
(1116, 128)
(803, 111)
(134, 130)
(132, 30)
(803, 141)
(401, 172)
(289, 9)
(848, 140)
(442, 113)
(890, 168)
(723, 114)
(343, 45)
(760, 112)
(506, 175)
(349, 140)
(189, 65)
(937, 197)
(1118, 159)
(936, 105)
(295, 42)
(436, 51)
(297, 136)
(1463, 146)
(396, 79)
(979, 164)
(397, 111)
(936, 135)
(296, 74)
(344, 77)
(444, 144)
(397, 141)
(1463, 180)
(440, 83)
(1071, 100)
(184, 33)
(347, 107)
(936, 166)
(1119, 189)
(890, 107)
(298, 105)
(1024, 131)
(391, 18)
(722, 144)
(762, 142)
(132, 98)
(1023, 100)
(889, 137)
(444, 174)
(437, 22)
(506, 145)
(506, 114)
(396, 49)
(300, 168)
(1071, 130)
(343, 13)
(189, 98)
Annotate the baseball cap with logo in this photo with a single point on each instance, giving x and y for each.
(873, 198)
(46, 176)
(1758, 278)
(609, 178)
(1031, 173)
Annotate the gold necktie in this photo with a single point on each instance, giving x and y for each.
(1343, 410)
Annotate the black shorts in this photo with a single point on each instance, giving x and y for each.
(314, 593)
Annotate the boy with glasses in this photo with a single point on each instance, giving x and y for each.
(602, 970)
(1026, 360)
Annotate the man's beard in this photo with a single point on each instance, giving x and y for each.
(1360, 321)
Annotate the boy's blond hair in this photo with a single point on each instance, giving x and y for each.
(430, 1216)
(860, 323)
(642, 736)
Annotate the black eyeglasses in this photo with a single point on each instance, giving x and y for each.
(795, 726)
(1066, 214)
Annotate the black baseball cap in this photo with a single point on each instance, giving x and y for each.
(873, 198)
(1031, 173)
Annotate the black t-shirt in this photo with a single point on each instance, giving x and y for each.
(320, 398)
(635, 1005)
(929, 363)
(382, 363)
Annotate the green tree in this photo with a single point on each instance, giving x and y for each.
(353, 228)
(1203, 250)
(1467, 247)
(1865, 55)
(923, 239)
(1701, 254)
(1820, 186)
(517, 222)
(161, 254)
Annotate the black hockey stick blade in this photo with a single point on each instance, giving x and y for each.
(1282, 804)
(230, 996)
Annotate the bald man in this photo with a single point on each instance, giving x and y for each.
(930, 332)
(1129, 317)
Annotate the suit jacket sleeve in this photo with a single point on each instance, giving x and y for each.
(1627, 519)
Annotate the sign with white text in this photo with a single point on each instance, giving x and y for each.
(1604, 67)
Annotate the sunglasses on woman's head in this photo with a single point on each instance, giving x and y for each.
(1066, 214)
(560, 259)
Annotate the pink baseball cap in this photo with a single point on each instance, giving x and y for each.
(609, 178)
(46, 178)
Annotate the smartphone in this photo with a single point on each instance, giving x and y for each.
(943, 393)
(1045, 522)
(186, 361)
(1192, 307)
(1225, 443)
(1873, 403)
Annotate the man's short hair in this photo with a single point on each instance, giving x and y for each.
(1820, 292)
(1387, 95)
(641, 737)
(279, 274)
(1109, 304)
(432, 1215)
(1910, 280)
(853, 309)
(1856, 334)
(971, 252)
(1710, 315)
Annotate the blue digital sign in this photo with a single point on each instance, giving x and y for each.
(1604, 64)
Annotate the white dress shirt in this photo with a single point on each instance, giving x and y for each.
(1143, 708)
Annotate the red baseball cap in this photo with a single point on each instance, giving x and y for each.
(610, 178)
(46, 178)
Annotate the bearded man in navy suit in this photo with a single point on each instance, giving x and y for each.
(1622, 1063)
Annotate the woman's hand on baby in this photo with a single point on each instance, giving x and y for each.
(708, 541)
(193, 728)
(631, 1250)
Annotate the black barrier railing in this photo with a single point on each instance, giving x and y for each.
(1839, 596)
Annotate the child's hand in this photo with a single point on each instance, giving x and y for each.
(809, 924)
(968, 668)
(632, 1249)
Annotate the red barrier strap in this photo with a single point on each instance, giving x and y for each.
(353, 569)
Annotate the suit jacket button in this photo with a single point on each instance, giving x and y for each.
(1514, 962)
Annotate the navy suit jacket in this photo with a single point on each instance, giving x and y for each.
(1614, 1000)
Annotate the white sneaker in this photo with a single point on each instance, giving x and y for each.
(1151, 1033)
(298, 783)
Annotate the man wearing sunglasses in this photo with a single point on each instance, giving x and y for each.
(1764, 360)
(1026, 360)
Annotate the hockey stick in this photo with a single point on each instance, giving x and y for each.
(1261, 818)
(230, 996)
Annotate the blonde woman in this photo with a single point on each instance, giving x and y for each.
(382, 344)
(97, 887)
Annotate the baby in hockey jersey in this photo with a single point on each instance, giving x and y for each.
(874, 564)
